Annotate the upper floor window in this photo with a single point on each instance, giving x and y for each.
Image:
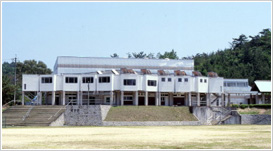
(46, 79)
(71, 80)
(87, 79)
(169, 79)
(179, 79)
(201, 80)
(163, 79)
(129, 82)
(186, 79)
(151, 82)
(104, 79)
(241, 84)
(205, 80)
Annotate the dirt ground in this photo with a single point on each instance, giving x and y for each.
(139, 137)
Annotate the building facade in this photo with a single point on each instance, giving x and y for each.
(119, 81)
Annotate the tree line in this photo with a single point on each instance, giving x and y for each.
(247, 57)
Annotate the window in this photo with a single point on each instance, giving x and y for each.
(179, 79)
(186, 79)
(107, 99)
(71, 80)
(87, 79)
(128, 98)
(205, 80)
(163, 79)
(25, 86)
(151, 82)
(201, 80)
(129, 82)
(104, 79)
(46, 79)
(169, 79)
(241, 84)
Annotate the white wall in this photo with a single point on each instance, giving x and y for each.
(71, 86)
(31, 81)
(183, 86)
(166, 86)
(127, 87)
(216, 85)
(105, 86)
(201, 87)
(145, 83)
(47, 86)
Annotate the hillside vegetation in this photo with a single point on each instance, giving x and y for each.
(248, 58)
(149, 113)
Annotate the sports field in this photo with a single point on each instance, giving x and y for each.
(149, 137)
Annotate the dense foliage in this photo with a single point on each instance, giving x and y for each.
(247, 58)
(26, 67)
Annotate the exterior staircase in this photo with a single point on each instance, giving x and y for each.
(41, 115)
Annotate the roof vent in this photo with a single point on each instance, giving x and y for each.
(196, 73)
(180, 73)
(212, 74)
(145, 71)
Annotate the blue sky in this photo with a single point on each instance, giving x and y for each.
(44, 30)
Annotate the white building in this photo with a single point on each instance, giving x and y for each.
(119, 81)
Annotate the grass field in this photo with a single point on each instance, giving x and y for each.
(149, 113)
(149, 137)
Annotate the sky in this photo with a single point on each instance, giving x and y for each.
(44, 30)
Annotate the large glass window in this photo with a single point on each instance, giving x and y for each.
(71, 80)
(46, 79)
(104, 79)
(151, 82)
(129, 82)
(87, 79)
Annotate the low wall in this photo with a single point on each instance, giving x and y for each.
(150, 123)
(84, 115)
(59, 121)
(256, 119)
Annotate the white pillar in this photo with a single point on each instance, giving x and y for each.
(78, 98)
(198, 99)
(23, 98)
(159, 98)
(186, 99)
(136, 98)
(223, 99)
(111, 97)
(63, 99)
(156, 99)
(171, 99)
(208, 99)
(146, 98)
(39, 98)
(189, 99)
(263, 98)
(121, 98)
(53, 98)
(257, 98)
(228, 100)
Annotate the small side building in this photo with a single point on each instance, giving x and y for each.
(263, 87)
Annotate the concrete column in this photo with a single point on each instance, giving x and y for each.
(53, 98)
(171, 99)
(257, 98)
(208, 99)
(223, 99)
(39, 98)
(159, 98)
(78, 98)
(63, 99)
(111, 97)
(263, 98)
(23, 98)
(228, 100)
(189, 98)
(136, 98)
(198, 99)
(186, 99)
(156, 99)
(121, 98)
(146, 98)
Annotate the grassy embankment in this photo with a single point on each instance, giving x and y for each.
(149, 113)
(139, 137)
(254, 111)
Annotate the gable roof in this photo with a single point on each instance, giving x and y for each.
(263, 85)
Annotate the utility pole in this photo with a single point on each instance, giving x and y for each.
(14, 98)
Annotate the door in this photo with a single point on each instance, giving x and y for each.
(141, 101)
(151, 101)
(57, 100)
(178, 101)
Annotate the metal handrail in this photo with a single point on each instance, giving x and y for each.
(27, 114)
(59, 110)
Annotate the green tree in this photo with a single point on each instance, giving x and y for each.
(171, 55)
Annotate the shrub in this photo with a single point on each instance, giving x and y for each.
(243, 106)
(235, 105)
